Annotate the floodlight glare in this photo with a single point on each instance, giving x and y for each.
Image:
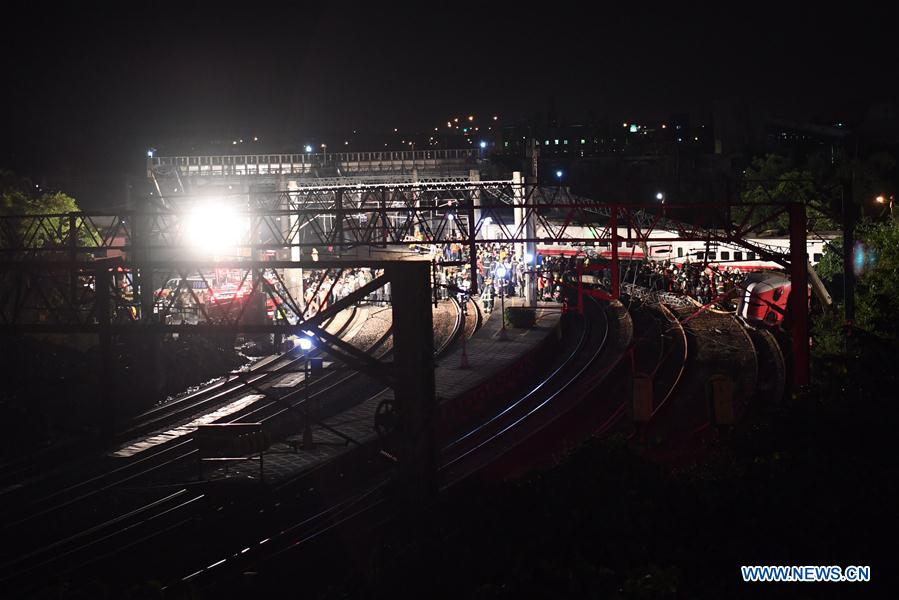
(500, 272)
(308, 148)
(659, 196)
(213, 227)
(483, 145)
(305, 343)
(559, 174)
(528, 258)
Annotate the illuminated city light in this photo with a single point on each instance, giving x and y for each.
(483, 145)
(308, 148)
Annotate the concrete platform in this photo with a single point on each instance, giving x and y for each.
(488, 356)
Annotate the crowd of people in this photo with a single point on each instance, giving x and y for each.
(694, 279)
(322, 290)
(501, 271)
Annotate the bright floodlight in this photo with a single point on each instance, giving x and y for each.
(149, 154)
(500, 272)
(528, 258)
(559, 174)
(880, 200)
(483, 145)
(308, 148)
(488, 220)
(213, 227)
(659, 196)
(305, 343)
(449, 217)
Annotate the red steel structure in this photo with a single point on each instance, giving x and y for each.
(44, 257)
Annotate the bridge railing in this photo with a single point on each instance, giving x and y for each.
(289, 164)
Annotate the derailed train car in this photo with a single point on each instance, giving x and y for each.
(763, 299)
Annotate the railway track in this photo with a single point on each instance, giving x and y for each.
(588, 365)
(57, 556)
(62, 487)
(17, 477)
(461, 455)
(665, 354)
(717, 346)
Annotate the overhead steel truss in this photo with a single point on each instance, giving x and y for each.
(465, 212)
(390, 214)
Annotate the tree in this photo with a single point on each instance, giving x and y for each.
(876, 261)
(22, 207)
(774, 178)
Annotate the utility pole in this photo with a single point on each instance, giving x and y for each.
(798, 299)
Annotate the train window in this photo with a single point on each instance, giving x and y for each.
(680, 252)
(816, 257)
(738, 256)
(620, 244)
(629, 244)
(778, 292)
(725, 256)
(712, 255)
(750, 256)
(700, 255)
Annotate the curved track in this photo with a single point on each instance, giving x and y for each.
(148, 514)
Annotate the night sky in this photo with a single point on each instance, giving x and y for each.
(82, 85)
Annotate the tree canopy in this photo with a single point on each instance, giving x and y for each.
(775, 178)
(18, 198)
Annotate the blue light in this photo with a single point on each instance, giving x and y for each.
(483, 145)
(500, 272)
(559, 174)
(859, 258)
(308, 148)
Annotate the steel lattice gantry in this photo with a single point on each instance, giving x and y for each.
(367, 215)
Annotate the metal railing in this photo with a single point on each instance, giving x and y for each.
(297, 164)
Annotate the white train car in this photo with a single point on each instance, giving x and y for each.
(716, 254)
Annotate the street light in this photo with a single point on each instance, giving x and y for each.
(881, 199)
(305, 345)
(308, 148)
(559, 175)
(661, 197)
